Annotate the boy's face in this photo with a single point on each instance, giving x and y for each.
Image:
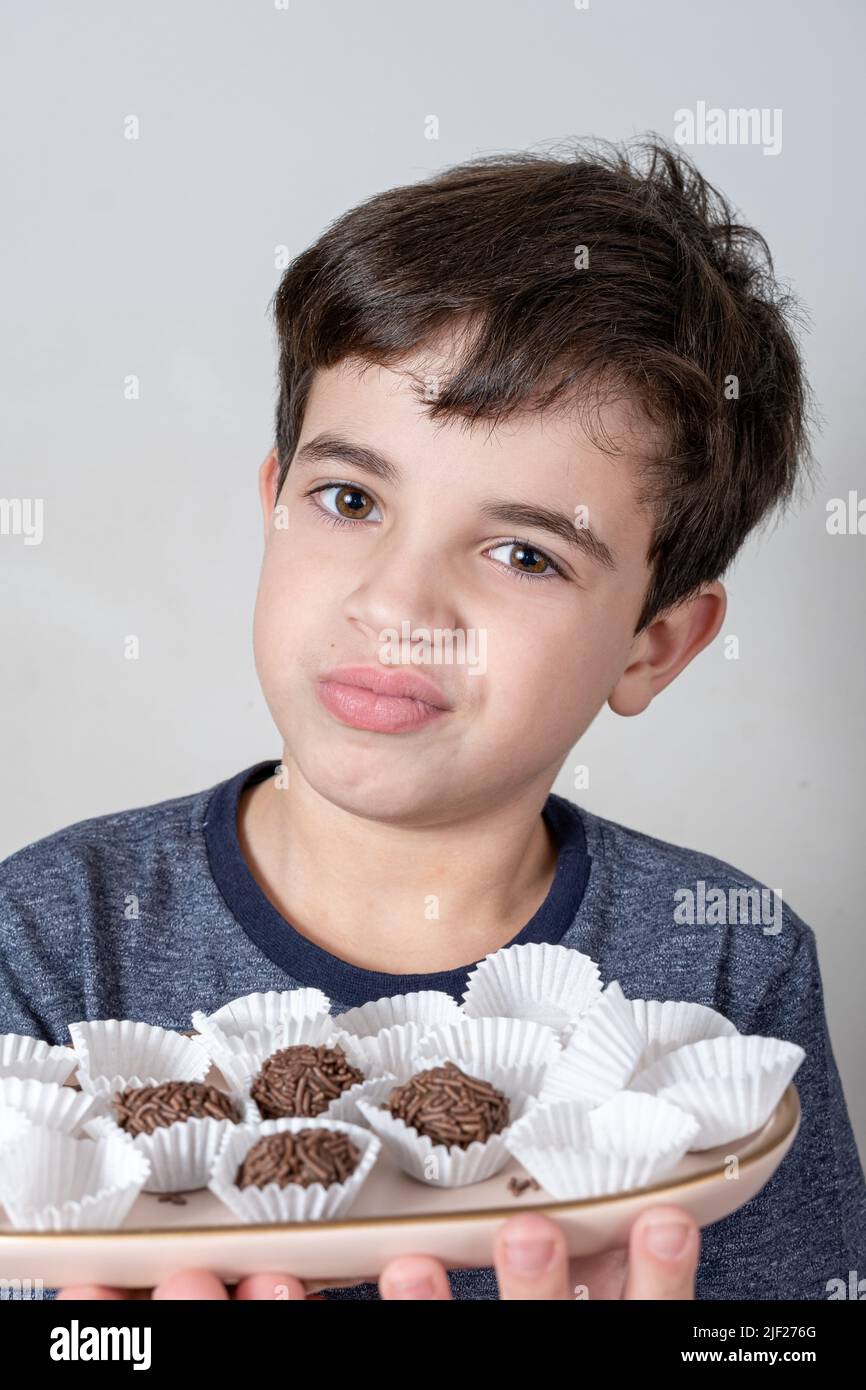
(547, 651)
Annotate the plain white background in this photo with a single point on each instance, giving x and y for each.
(258, 126)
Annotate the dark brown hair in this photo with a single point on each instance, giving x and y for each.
(675, 301)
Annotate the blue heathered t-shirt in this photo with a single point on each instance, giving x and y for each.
(206, 933)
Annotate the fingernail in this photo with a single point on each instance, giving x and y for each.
(667, 1239)
(528, 1256)
(411, 1288)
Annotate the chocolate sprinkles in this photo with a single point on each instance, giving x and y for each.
(450, 1107)
(305, 1157)
(142, 1109)
(302, 1080)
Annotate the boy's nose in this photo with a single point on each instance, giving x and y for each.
(404, 591)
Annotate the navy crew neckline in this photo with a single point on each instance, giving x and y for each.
(348, 984)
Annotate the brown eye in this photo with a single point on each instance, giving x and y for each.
(531, 562)
(350, 498)
(537, 565)
(352, 503)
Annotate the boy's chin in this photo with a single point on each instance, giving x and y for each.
(381, 794)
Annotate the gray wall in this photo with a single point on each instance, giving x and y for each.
(156, 256)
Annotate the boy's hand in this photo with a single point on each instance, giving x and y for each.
(522, 1271)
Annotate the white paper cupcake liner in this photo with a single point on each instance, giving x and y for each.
(548, 984)
(13, 1123)
(180, 1155)
(281, 1012)
(50, 1105)
(52, 1182)
(294, 1202)
(576, 1152)
(26, 1057)
(731, 1084)
(526, 1048)
(423, 1007)
(113, 1053)
(635, 1125)
(346, 1107)
(240, 1056)
(381, 1052)
(602, 1055)
(441, 1165)
(668, 1024)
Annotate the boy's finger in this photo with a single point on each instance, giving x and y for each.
(282, 1288)
(664, 1248)
(598, 1277)
(191, 1283)
(415, 1277)
(531, 1258)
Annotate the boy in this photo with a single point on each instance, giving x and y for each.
(540, 404)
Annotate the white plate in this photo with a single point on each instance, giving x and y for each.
(394, 1215)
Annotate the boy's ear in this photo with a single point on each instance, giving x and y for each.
(268, 474)
(666, 647)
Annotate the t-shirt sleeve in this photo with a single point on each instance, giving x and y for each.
(805, 1231)
(43, 905)
(35, 975)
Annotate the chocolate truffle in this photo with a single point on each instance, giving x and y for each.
(307, 1156)
(450, 1107)
(302, 1080)
(142, 1109)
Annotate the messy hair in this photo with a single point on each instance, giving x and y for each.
(607, 271)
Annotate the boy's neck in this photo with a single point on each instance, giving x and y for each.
(385, 898)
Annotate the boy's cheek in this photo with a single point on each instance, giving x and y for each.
(290, 603)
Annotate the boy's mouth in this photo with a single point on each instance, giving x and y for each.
(368, 697)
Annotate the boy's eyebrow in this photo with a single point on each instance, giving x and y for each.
(367, 460)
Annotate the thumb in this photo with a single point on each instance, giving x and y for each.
(664, 1249)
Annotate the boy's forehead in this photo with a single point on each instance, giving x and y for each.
(393, 404)
(549, 455)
